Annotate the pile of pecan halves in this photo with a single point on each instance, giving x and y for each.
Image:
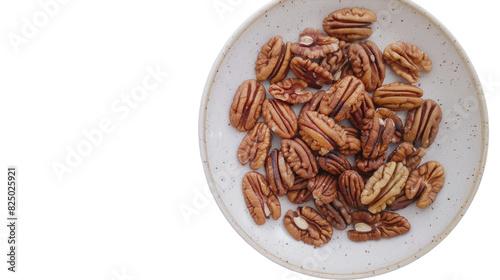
(335, 151)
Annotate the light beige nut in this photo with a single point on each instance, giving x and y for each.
(350, 24)
(425, 182)
(260, 201)
(280, 118)
(255, 146)
(273, 60)
(292, 91)
(300, 157)
(368, 226)
(247, 105)
(309, 71)
(398, 96)
(279, 174)
(314, 44)
(407, 60)
(342, 99)
(320, 132)
(367, 64)
(307, 225)
(422, 124)
(384, 185)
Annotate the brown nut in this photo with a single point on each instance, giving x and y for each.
(384, 185)
(313, 104)
(247, 105)
(338, 62)
(321, 133)
(299, 183)
(350, 24)
(337, 212)
(422, 124)
(425, 182)
(408, 155)
(314, 44)
(280, 118)
(307, 225)
(385, 113)
(309, 71)
(400, 202)
(273, 60)
(260, 201)
(255, 146)
(407, 60)
(376, 135)
(334, 163)
(398, 96)
(353, 144)
(357, 116)
(300, 157)
(351, 185)
(292, 91)
(343, 98)
(324, 188)
(368, 226)
(369, 165)
(367, 64)
(299, 196)
(279, 173)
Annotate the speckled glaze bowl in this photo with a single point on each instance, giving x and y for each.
(461, 145)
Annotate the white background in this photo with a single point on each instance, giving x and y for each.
(118, 213)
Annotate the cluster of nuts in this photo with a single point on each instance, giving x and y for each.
(355, 116)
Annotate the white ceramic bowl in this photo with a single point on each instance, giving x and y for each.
(460, 147)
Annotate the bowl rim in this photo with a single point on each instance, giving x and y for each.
(215, 192)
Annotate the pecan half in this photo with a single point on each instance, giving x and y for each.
(313, 104)
(367, 64)
(398, 96)
(350, 24)
(300, 157)
(255, 146)
(425, 182)
(400, 202)
(299, 196)
(368, 226)
(299, 183)
(311, 72)
(292, 91)
(247, 105)
(384, 185)
(280, 118)
(368, 165)
(334, 163)
(343, 98)
(351, 185)
(353, 144)
(337, 212)
(385, 113)
(422, 124)
(321, 133)
(338, 62)
(307, 225)
(273, 60)
(314, 44)
(407, 60)
(357, 116)
(324, 188)
(376, 135)
(260, 201)
(408, 155)
(279, 173)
